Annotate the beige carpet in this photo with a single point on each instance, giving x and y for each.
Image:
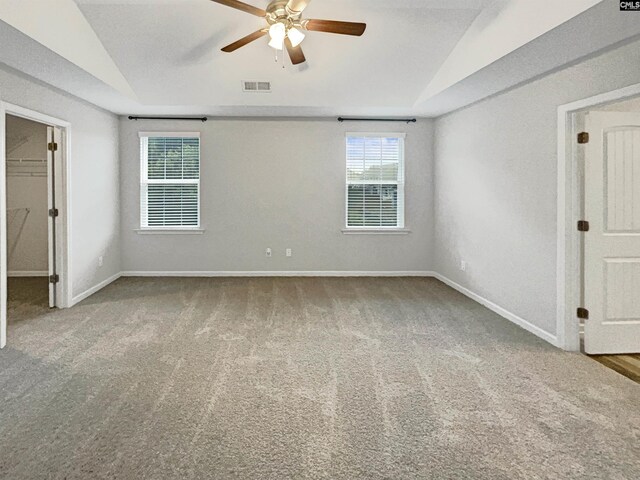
(301, 379)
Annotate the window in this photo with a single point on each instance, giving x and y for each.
(375, 181)
(169, 181)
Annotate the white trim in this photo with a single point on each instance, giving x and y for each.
(399, 182)
(375, 231)
(503, 312)
(322, 273)
(568, 209)
(163, 231)
(66, 273)
(521, 322)
(3, 231)
(145, 182)
(18, 111)
(326, 273)
(87, 293)
(27, 273)
(64, 252)
(169, 134)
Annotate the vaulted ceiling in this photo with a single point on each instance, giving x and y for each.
(417, 57)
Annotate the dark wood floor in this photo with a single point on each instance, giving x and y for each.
(627, 365)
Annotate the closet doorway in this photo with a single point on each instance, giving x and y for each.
(35, 222)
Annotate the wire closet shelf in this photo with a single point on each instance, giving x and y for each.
(26, 167)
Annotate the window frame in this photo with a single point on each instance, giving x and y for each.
(400, 227)
(146, 181)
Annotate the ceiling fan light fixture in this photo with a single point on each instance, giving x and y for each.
(286, 26)
(277, 32)
(296, 36)
(277, 44)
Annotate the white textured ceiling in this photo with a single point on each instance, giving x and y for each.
(169, 53)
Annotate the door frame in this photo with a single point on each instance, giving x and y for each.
(569, 211)
(63, 202)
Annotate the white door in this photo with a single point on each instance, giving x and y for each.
(54, 151)
(612, 244)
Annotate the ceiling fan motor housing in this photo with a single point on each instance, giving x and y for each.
(284, 19)
(277, 11)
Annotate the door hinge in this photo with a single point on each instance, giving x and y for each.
(54, 278)
(53, 212)
(582, 313)
(583, 137)
(52, 146)
(583, 226)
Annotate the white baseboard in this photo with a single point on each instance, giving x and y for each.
(521, 322)
(27, 273)
(512, 317)
(322, 273)
(94, 289)
(101, 285)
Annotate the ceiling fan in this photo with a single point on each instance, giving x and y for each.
(286, 26)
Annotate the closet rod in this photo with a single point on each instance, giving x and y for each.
(28, 174)
(202, 119)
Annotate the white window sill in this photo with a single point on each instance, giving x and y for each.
(167, 231)
(376, 231)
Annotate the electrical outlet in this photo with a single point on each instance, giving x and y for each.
(100, 261)
(288, 252)
(463, 265)
(268, 252)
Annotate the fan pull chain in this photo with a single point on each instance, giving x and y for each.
(283, 59)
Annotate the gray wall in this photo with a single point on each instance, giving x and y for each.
(278, 184)
(94, 168)
(495, 195)
(27, 232)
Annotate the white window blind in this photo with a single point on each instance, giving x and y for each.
(169, 180)
(375, 181)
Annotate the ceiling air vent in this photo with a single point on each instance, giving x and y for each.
(256, 87)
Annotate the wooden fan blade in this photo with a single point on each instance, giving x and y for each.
(244, 41)
(295, 53)
(333, 26)
(297, 6)
(258, 12)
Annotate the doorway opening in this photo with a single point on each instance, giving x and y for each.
(599, 229)
(28, 198)
(33, 253)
